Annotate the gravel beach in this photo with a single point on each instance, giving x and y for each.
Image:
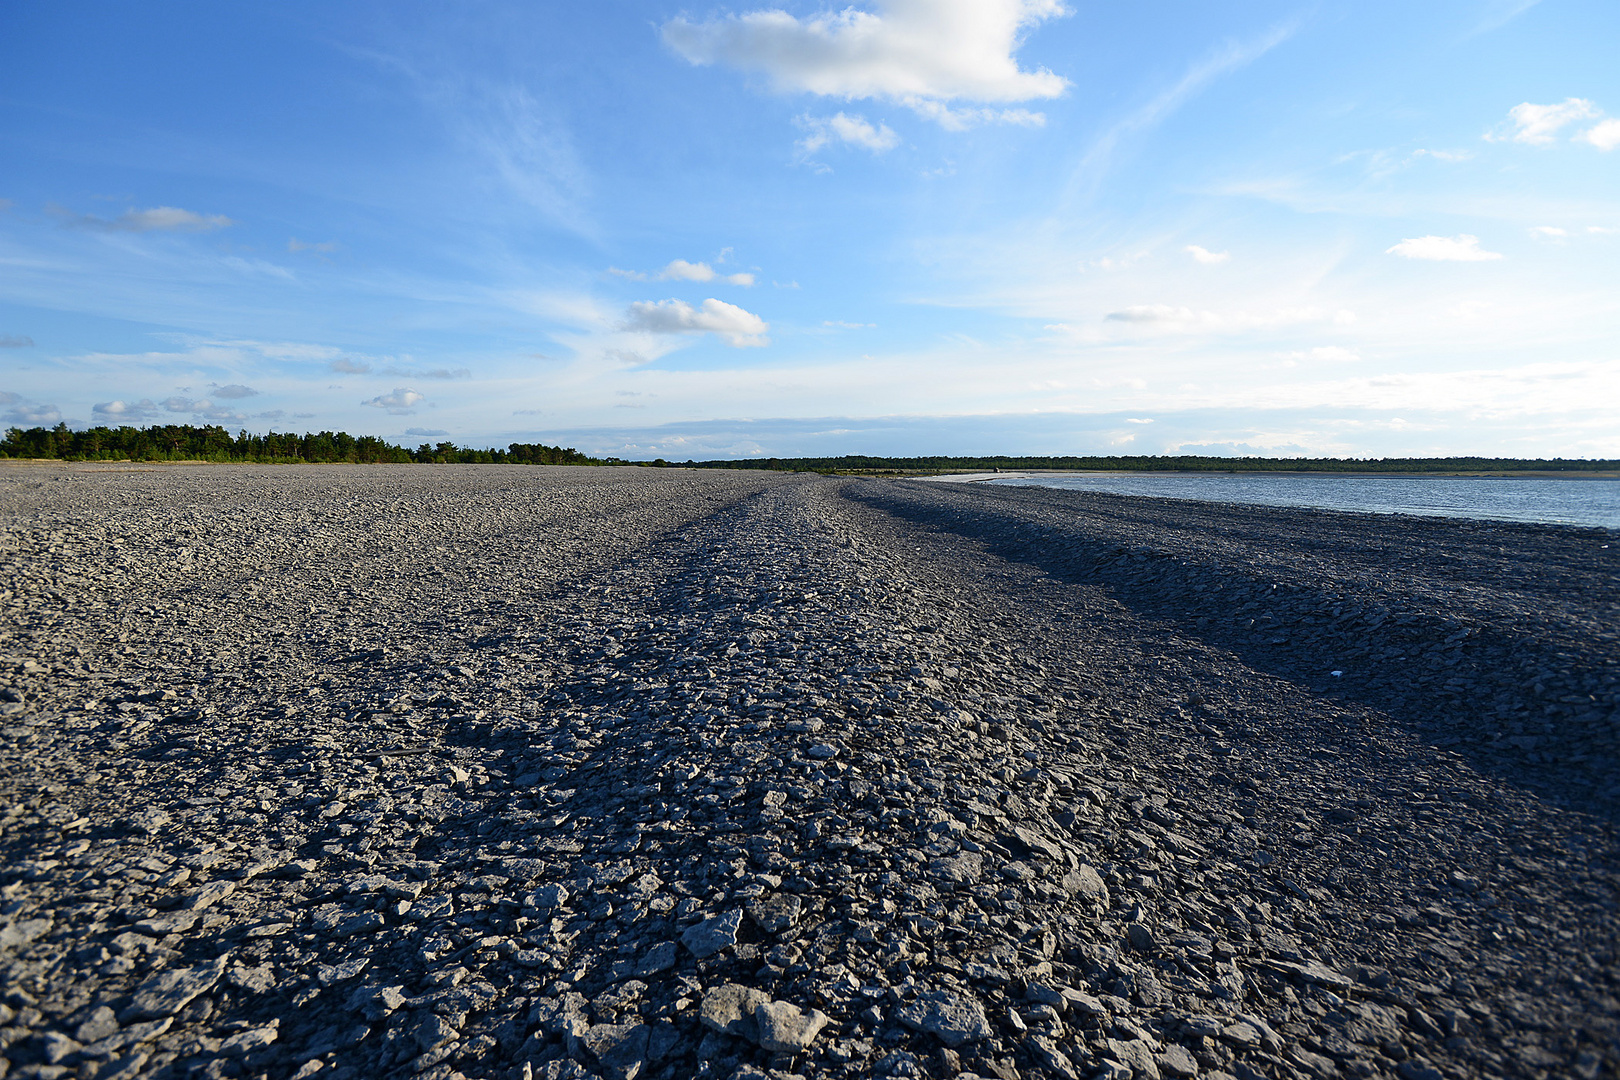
(508, 772)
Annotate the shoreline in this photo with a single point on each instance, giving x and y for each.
(1494, 475)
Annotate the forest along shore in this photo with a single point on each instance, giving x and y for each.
(514, 772)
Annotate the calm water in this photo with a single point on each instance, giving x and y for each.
(1564, 502)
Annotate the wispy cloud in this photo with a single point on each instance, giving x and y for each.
(1539, 125)
(157, 219)
(427, 373)
(682, 270)
(846, 130)
(25, 413)
(1449, 156)
(533, 152)
(1498, 13)
(1230, 57)
(16, 341)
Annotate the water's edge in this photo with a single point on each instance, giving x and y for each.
(1592, 503)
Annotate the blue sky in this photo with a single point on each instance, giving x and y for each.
(904, 226)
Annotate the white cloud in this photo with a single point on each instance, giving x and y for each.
(399, 402)
(681, 270)
(841, 325)
(125, 412)
(921, 53)
(1550, 232)
(1539, 125)
(1205, 256)
(739, 328)
(421, 432)
(1601, 230)
(1138, 420)
(1464, 248)
(157, 219)
(201, 409)
(1604, 136)
(851, 130)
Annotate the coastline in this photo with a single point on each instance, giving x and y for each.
(1489, 475)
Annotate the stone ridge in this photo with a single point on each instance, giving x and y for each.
(486, 772)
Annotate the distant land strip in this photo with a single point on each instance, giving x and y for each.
(185, 442)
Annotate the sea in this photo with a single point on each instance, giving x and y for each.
(1593, 502)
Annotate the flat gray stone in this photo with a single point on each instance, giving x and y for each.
(712, 935)
(431, 1031)
(621, 1049)
(660, 957)
(774, 914)
(548, 897)
(23, 932)
(950, 1018)
(1177, 1060)
(210, 894)
(249, 1041)
(1138, 1055)
(784, 1028)
(1085, 881)
(964, 869)
(99, 1025)
(167, 992)
(731, 1009)
(1055, 1061)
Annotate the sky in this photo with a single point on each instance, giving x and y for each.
(898, 227)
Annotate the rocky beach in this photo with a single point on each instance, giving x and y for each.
(513, 772)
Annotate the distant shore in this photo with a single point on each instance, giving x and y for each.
(1503, 474)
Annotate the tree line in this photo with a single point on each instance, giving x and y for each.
(186, 442)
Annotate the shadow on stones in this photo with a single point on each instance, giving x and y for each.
(1453, 680)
